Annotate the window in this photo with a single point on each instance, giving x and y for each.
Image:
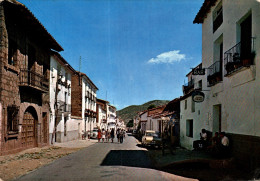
(12, 52)
(65, 126)
(12, 119)
(192, 106)
(189, 128)
(200, 84)
(217, 17)
(185, 104)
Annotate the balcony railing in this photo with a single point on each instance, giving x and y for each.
(188, 86)
(239, 56)
(33, 79)
(214, 73)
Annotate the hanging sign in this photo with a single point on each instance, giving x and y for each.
(198, 96)
(198, 71)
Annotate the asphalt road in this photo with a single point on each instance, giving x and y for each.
(103, 161)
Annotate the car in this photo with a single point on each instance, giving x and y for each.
(94, 133)
(151, 138)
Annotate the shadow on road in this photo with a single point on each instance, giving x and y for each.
(132, 158)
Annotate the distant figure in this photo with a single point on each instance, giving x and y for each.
(99, 135)
(117, 134)
(121, 136)
(112, 135)
(83, 135)
(103, 135)
(88, 135)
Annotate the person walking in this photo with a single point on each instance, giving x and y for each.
(112, 134)
(117, 134)
(103, 135)
(99, 135)
(121, 136)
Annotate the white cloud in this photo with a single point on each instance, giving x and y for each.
(168, 57)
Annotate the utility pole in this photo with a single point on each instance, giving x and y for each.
(79, 63)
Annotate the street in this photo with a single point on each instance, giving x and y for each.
(103, 161)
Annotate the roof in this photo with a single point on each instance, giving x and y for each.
(62, 60)
(156, 110)
(33, 23)
(101, 100)
(204, 10)
(88, 79)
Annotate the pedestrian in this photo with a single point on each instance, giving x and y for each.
(112, 134)
(83, 135)
(117, 134)
(121, 135)
(88, 135)
(103, 135)
(99, 135)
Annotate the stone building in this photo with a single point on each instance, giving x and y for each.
(83, 101)
(24, 78)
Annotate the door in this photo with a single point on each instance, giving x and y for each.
(45, 127)
(216, 119)
(246, 35)
(28, 131)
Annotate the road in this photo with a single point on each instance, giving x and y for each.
(103, 161)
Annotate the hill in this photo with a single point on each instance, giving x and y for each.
(131, 111)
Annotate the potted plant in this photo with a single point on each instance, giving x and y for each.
(249, 61)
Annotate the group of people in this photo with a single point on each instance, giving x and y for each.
(106, 135)
(217, 145)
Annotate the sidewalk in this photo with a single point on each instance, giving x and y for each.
(76, 143)
(197, 164)
(15, 165)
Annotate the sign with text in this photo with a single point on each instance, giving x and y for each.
(198, 71)
(198, 96)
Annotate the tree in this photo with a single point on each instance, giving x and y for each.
(151, 106)
(130, 123)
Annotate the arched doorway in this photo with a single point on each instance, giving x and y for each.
(29, 129)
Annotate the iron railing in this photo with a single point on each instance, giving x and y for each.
(238, 56)
(214, 73)
(188, 86)
(33, 79)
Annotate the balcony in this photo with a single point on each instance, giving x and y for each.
(188, 86)
(33, 79)
(238, 57)
(64, 108)
(214, 73)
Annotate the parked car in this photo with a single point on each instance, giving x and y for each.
(94, 133)
(151, 138)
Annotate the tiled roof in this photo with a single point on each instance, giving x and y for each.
(204, 10)
(62, 60)
(34, 22)
(90, 81)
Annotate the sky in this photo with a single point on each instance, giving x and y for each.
(133, 50)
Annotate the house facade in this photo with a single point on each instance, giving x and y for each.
(230, 54)
(102, 108)
(61, 127)
(24, 78)
(111, 117)
(190, 111)
(83, 104)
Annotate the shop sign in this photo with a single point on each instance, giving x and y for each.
(198, 96)
(198, 71)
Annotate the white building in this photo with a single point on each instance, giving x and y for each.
(190, 112)
(230, 54)
(111, 117)
(88, 103)
(60, 101)
(102, 107)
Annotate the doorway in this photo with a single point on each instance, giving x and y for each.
(216, 118)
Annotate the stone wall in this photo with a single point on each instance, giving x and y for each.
(76, 96)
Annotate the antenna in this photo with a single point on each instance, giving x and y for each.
(106, 95)
(79, 63)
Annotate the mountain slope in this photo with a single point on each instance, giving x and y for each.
(131, 111)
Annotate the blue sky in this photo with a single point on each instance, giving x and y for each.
(133, 50)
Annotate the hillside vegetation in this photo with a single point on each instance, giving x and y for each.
(130, 112)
